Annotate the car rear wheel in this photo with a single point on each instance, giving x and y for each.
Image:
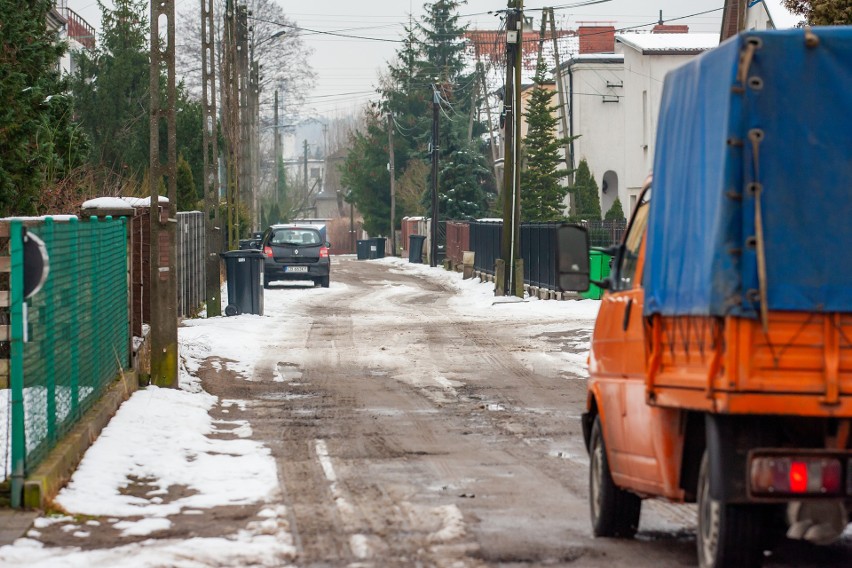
(728, 535)
(324, 281)
(615, 512)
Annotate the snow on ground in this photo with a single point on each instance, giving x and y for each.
(162, 437)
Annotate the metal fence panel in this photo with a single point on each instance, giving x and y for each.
(537, 246)
(538, 250)
(76, 329)
(458, 240)
(605, 233)
(485, 239)
(191, 252)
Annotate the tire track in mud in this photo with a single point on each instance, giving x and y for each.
(368, 521)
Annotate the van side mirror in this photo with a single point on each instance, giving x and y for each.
(572, 258)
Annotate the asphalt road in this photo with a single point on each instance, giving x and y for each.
(410, 435)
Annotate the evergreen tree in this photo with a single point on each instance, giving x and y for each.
(111, 89)
(282, 190)
(822, 12)
(189, 129)
(431, 54)
(615, 213)
(187, 195)
(365, 173)
(462, 196)
(36, 127)
(542, 193)
(440, 45)
(587, 202)
(264, 215)
(275, 215)
(464, 177)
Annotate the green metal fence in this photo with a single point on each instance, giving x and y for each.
(68, 341)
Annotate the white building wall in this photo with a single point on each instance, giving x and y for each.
(597, 100)
(643, 89)
(599, 105)
(68, 63)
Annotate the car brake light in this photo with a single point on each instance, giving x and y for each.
(267, 251)
(324, 252)
(799, 475)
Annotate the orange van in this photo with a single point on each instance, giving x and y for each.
(720, 368)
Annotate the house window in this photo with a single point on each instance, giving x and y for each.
(315, 173)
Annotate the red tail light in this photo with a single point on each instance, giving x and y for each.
(267, 251)
(796, 475)
(324, 252)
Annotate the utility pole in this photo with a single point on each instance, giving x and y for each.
(254, 109)
(277, 152)
(231, 122)
(244, 86)
(392, 170)
(563, 105)
(509, 269)
(211, 159)
(164, 340)
(305, 167)
(305, 161)
(433, 252)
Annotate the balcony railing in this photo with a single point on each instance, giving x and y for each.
(78, 29)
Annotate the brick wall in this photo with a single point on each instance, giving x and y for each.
(596, 39)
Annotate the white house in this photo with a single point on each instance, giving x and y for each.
(595, 86)
(614, 87)
(769, 15)
(77, 32)
(647, 59)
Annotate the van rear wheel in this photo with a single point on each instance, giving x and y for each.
(728, 535)
(615, 512)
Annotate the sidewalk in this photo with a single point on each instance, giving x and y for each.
(14, 524)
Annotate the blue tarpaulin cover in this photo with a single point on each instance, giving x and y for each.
(701, 253)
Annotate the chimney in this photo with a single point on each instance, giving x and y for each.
(596, 39)
(667, 29)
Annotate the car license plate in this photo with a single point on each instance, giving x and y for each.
(296, 269)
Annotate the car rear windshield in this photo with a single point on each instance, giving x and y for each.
(295, 237)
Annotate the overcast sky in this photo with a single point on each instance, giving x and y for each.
(347, 67)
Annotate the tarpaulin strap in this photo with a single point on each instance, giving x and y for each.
(746, 56)
(755, 135)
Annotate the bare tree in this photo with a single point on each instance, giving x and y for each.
(283, 59)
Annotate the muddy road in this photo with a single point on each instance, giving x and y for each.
(408, 434)
(410, 429)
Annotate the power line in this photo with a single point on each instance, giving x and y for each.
(323, 32)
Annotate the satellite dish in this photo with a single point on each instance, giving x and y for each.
(36, 264)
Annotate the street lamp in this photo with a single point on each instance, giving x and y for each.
(270, 38)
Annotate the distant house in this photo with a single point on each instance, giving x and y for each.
(593, 80)
(647, 60)
(77, 32)
(614, 87)
(307, 176)
(741, 15)
(55, 21)
(770, 15)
